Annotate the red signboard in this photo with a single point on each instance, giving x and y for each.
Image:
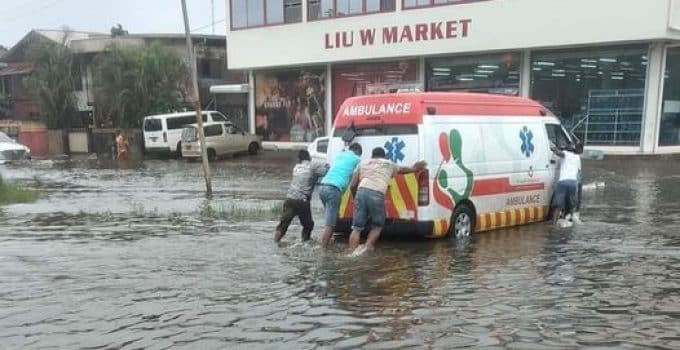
(443, 30)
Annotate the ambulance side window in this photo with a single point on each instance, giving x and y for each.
(557, 136)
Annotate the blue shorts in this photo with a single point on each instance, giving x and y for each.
(565, 195)
(369, 208)
(330, 197)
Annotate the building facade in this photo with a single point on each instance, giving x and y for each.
(17, 103)
(610, 69)
(211, 63)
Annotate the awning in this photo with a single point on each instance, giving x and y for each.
(15, 71)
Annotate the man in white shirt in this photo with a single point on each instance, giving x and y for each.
(565, 198)
(373, 177)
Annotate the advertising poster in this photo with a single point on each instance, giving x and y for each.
(289, 105)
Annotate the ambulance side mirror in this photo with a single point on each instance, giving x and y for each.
(349, 134)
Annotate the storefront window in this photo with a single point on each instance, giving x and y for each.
(319, 9)
(598, 91)
(669, 129)
(289, 105)
(254, 13)
(423, 3)
(372, 78)
(497, 74)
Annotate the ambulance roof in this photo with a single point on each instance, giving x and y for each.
(409, 108)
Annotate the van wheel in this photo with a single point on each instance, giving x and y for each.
(253, 148)
(462, 222)
(212, 156)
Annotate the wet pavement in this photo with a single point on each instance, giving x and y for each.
(129, 259)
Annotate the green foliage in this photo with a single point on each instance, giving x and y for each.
(51, 82)
(131, 83)
(236, 212)
(11, 193)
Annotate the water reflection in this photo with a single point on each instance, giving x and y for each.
(117, 258)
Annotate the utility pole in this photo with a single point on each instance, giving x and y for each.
(197, 101)
(212, 11)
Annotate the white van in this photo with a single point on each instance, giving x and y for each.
(490, 163)
(221, 139)
(163, 132)
(318, 148)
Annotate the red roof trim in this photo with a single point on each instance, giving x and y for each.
(372, 109)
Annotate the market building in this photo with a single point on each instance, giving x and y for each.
(609, 68)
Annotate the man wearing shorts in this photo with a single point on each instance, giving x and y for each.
(334, 184)
(373, 177)
(297, 203)
(565, 197)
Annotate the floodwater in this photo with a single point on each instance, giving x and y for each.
(127, 259)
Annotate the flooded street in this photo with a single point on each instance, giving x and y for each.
(136, 259)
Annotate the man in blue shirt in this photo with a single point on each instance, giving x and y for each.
(334, 184)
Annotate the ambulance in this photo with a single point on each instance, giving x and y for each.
(490, 163)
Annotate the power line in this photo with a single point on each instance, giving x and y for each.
(209, 25)
(31, 12)
(24, 5)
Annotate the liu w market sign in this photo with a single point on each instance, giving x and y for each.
(389, 35)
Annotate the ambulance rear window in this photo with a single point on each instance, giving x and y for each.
(381, 130)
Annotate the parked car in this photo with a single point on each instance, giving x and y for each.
(10, 149)
(163, 132)
(221, 139)
(318, 148)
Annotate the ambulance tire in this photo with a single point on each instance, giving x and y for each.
(462, 222)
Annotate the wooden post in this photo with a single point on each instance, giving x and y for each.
(197, 101)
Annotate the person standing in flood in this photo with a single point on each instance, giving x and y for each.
(373, 177)
(565, 200)
(334, 184)
(122, 146)
(297, 202)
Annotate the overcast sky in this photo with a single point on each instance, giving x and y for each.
(18, 17)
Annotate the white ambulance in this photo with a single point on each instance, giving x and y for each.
(490, 163)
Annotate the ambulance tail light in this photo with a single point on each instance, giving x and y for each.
(165, 136)
(423, 188)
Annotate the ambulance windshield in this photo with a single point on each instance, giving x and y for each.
(380, 130)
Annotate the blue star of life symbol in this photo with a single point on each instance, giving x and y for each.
(527, 146)
(395, 148)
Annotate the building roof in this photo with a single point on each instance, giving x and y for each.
(94, 41)
(16, 53)
(15, 68)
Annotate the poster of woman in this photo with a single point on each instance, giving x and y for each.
(290, 105)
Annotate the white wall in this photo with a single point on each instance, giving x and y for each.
(495, 25)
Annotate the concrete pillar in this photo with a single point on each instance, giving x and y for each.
(251, 101)
(304, 10)
(329, 99)
(422, 74)
(653, 94)
(525, 74)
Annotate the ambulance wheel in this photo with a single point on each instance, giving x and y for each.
(462, 222)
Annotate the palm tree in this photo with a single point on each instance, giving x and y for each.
(131, 83)
(52, 84)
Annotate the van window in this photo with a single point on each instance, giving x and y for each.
(189, 134)
(322, 146)
(153, 125)
(175, 123)
(218, 117)
(557, 135)
(212, 130)
(381, 130)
